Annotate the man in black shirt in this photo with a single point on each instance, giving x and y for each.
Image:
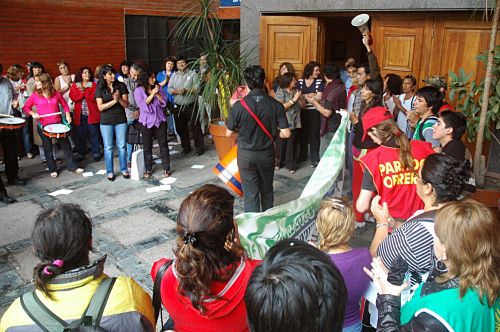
(255, 148)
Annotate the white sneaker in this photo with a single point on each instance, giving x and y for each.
(79, 170)
(359, 225)
(54, 174)
(30, 155)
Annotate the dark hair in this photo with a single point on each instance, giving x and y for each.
(366, 67)
(447, 176)
(144, 80)
(432, 96)
(35, 64)
(289, 67)
(181, 57)
(255, 77)
(1, 68)
(60, 233)
(101, 84)
(331, 71)
(394, 83)
(124, 63)
(455, 120)
(171, 59)
(296, 288)
(309, 69)
(285, 80)
(412, 78)
(206, 251)
(78, 76)
(376, 86)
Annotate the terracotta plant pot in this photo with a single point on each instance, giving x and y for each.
(222, 143)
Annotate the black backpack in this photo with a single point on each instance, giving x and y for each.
(50, 322)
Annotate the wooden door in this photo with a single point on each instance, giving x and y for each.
(457, 43)
(401, 44)
(287, 39)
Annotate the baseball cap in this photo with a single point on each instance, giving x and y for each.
(373, 117)
(436, 81)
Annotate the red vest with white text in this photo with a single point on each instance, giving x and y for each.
(394, 184)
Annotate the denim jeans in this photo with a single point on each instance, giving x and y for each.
(119, 132)
(88, 131)
(27, 132)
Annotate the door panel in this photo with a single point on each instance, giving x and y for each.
(399, 45)
(459, 42)
(287, 39)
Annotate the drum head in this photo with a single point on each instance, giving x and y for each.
(12, 121)
(56, 128)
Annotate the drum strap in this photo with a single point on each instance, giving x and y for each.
(244, 104)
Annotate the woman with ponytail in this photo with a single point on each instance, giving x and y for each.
(65, 280)
(203, 289)
(391, 169)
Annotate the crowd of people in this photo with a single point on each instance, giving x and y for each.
(92, 111)
(450, 250)
(433, 259)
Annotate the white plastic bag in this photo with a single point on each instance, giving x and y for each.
(137, 169)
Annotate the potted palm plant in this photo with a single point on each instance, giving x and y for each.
(224, 60)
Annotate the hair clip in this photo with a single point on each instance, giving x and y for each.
(189, 238)
(58, 262)
(46, 271)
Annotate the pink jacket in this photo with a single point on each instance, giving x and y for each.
(46, 106)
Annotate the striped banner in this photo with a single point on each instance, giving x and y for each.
(260, 231)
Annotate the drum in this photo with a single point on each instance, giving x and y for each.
(227, 170)
(12, 123)
(56, 130)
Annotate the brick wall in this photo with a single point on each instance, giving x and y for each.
(81, 32)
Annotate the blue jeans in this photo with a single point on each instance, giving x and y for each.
(119, 131)
(353, 328)
(27, 132)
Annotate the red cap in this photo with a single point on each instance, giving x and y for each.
(373, 117)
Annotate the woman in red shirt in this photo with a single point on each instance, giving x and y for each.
(391, 170)
(86, 114)
(204, 287)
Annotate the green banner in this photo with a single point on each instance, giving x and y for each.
(260, 231)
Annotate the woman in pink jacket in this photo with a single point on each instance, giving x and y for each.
(47, 101)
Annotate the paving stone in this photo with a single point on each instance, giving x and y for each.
(17, 221)
(151, 255)
(24, 262)
(104, 197)
(9, 280)
(135, 227)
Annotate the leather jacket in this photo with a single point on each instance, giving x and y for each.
(389, 307)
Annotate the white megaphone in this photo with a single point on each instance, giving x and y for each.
(361, 22)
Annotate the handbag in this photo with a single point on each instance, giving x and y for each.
(157, 295)
(134, 135)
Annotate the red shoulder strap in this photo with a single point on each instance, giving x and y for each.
(244, 104)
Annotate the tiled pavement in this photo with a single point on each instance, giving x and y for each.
(133, 227)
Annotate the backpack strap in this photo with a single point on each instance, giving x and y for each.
(421, 128)
(94, 311)
(40, 314)
(256, 118)
(157, 288)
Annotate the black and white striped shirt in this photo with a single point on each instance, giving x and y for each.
(414, 241)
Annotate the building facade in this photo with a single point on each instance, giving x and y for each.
(92, 33)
